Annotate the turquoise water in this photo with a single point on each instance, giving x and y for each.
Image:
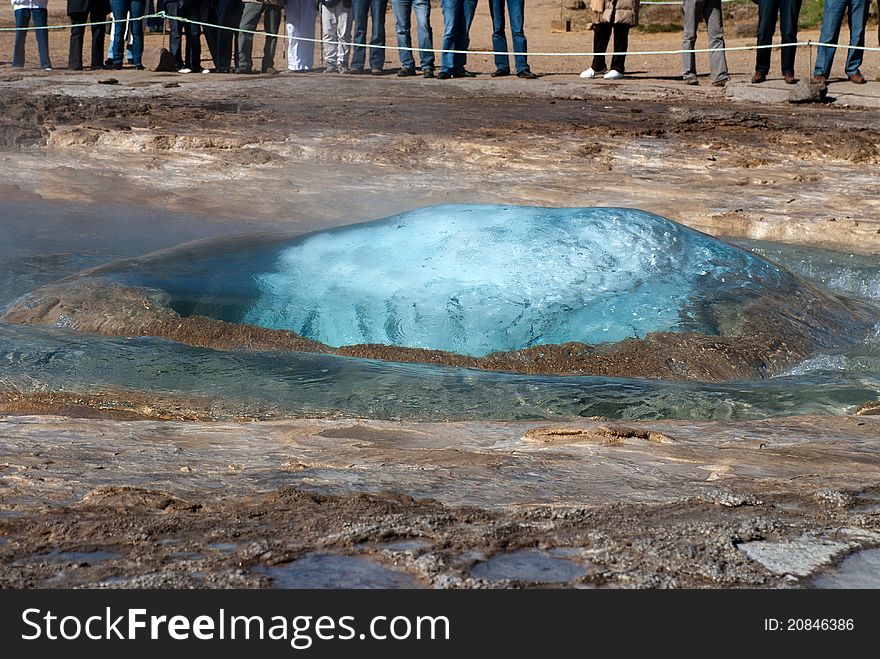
(290, 384)
(482, 279)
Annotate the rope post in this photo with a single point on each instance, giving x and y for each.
(810, 60)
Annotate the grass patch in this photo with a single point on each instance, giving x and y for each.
(655, 28)
(811, 14)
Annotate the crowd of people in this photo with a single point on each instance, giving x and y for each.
(229, 27)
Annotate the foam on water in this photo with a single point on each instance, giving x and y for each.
(481, 279)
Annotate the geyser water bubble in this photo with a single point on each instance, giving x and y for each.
(481, 279)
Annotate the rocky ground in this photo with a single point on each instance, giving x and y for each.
(184, 503)
(595, 503)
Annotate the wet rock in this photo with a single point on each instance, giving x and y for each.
(799, 558)
(869, 408)
(806, 91)
(108, 81)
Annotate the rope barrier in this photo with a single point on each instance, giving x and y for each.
(629, 53)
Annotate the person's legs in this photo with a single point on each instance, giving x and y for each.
(470, 9)
(329, 35)
(192, 51)
(403, 24)
(789, 13)
(41, 19)
(137, 31)
(22, 20)
(516, 11)
(271, 24)
(499, 38)
(175, 41)
(77, 33)
(715, 28)
(425, 33)
(99, 30)
(832, 18)
(858, 19)
(601, 37)
(300, 15)
(693, 14)
(250, 18)
(343, 31)
(120, 11)
(453, 23)
(233, 21)
(359, 11)
(378, 8)
(222, 51)
(621, 45)
(768, 10)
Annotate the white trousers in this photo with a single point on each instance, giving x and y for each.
(300, 16)
(336, 27)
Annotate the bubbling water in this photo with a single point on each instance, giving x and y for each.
(480, 279)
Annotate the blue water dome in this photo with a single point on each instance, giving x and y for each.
(481, 279)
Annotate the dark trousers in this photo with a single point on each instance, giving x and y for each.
(77, 36)
(788, 12)
(221, 42)
(175, 29)
(250, 18)
(195, 10)
(601, 37)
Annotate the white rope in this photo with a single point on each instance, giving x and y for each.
(629, 53)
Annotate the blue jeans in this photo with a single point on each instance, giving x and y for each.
(359, 10)
(788, 12)
(119, 9)
(516, 9)
(403, 20)
(457, 18)
(23, 20)
(831, 21)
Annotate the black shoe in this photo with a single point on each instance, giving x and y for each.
(74, 68)
(117, 66)
(500, 73)
(464, 73)
(444, 75)
(353, 71)
(108, 62)
(376, 72)
(241, 71)
(406, 73)
(527, 75)
(428, 73)
(140, 67)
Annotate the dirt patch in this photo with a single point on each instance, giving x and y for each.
(614, 435)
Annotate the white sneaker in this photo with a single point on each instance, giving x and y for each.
(206, 70)
(613, 75)
(589, 73)
(184, 70)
